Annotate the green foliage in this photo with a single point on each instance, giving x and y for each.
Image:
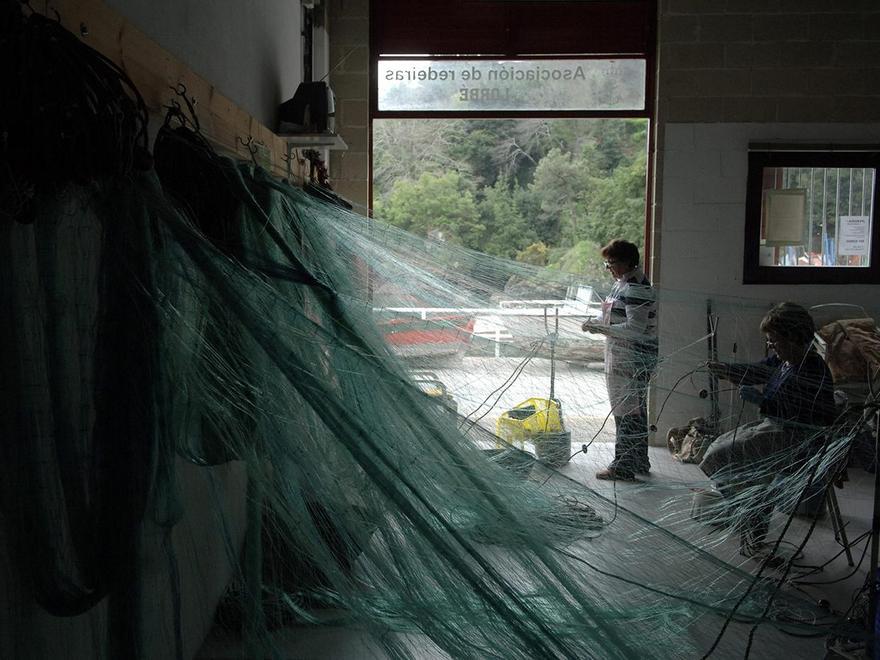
(617, 143)
(503, 186)
(535, 254)
(407, 149)
(438, 206)
(582, 258)
(559, 181)
(507, 229)
(616, 207)
(478, 145)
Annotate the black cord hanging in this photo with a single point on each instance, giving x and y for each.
(67, 113)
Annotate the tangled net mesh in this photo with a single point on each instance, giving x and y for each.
(192, 344)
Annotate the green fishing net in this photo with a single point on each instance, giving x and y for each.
(230, 405)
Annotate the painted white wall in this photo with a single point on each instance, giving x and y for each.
(251, 51)
(703, 191)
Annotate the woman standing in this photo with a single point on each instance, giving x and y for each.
(629, 316)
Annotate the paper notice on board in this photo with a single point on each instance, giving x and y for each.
(784, 217)
(853, 235)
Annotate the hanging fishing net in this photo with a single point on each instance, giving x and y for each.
(230, 405)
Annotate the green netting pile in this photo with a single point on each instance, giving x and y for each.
(169, 320)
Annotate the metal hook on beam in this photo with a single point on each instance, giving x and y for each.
(190, 101)
(250, 146)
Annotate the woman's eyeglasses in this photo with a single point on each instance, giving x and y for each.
(609, 264)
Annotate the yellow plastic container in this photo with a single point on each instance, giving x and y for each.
(528, 419)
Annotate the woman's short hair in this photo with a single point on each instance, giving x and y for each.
(790, 321)
(621, 250)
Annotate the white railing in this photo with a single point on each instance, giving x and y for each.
(592, 310)
(488, 321)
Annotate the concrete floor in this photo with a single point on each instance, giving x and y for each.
(668, 478)
(583, 390)
(856, 501)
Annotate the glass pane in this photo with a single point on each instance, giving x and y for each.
(526, 85)
(817, 216)
(549, 192)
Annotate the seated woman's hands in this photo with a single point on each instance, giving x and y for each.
(718, 369)
(751, 394)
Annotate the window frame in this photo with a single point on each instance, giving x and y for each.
(528, 30)
(762, 156)
(644, 113)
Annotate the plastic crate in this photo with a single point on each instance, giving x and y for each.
(532, 417)
(553, 449)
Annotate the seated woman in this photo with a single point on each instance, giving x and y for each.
(797, 396)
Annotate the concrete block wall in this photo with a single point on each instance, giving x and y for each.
(703, 222)
(732, 72)
(348, 27)
(769, 60)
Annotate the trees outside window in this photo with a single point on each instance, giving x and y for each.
(528, 189)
